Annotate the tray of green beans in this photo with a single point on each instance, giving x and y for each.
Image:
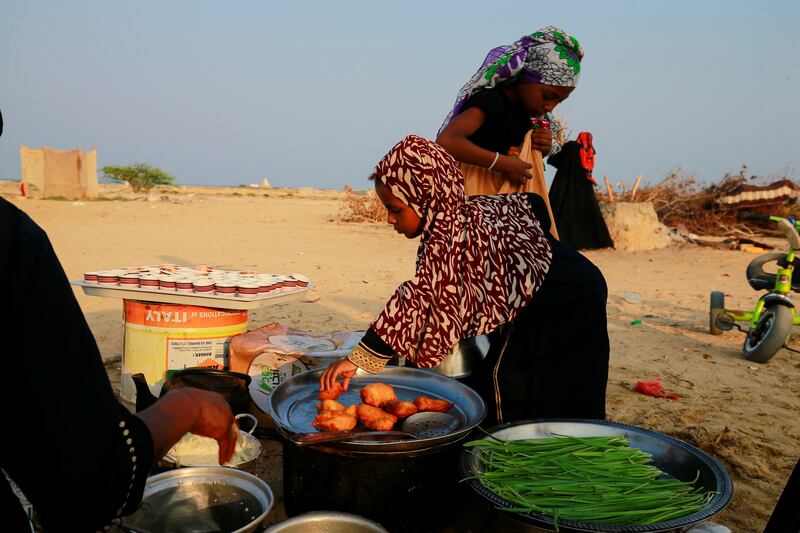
(593, 475)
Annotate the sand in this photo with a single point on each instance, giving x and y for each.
(744, 414)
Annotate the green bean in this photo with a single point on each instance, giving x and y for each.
(588, 479)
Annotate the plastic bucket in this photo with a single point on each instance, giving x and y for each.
(163, 337)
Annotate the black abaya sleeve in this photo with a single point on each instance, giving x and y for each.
(77, 454)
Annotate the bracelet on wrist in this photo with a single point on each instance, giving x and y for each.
(494, 162)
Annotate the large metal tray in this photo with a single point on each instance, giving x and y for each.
(293, 405)
(217, 301)
(674, 457)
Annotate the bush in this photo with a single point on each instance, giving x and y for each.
(362, 207)
(140, 176)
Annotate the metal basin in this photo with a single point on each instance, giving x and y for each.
(674, 457)
(466, 357)
(201, 499)
(327, 522)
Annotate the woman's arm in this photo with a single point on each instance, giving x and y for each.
(371, 354)
(454, 139)
(186, 409)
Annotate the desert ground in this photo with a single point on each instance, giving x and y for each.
(744, 414)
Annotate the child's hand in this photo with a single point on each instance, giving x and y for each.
(542, 140)
(514, 169)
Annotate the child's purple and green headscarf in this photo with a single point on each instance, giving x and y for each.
(549, 56)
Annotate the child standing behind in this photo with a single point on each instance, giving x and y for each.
(490, 130)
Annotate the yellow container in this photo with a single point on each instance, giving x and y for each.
(163, 337)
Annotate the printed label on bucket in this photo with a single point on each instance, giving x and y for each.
(181, 316)
(206, 353)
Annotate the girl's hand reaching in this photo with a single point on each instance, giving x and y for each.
(514, 169)
(542, 140)
(343, 367)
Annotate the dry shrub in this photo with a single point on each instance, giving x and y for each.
(361, 207)
(680, 201)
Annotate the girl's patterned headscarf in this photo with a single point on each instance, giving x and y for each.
(479, 261)
(548, 56)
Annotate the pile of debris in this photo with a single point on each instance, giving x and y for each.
(719, 209)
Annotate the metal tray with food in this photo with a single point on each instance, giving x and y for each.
(675, 458)
(293, 405)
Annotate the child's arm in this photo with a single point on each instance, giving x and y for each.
(454, 139)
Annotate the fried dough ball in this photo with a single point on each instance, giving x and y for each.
(332, 393)
(375, 418)
(334, 421)
(378, 394)
(424, 403)
(400, 408)
(329, 405)
(351, 410)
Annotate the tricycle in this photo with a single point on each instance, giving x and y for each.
(770, 322)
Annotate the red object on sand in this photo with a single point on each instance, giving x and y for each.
(654, 388)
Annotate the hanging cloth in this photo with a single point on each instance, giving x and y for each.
(575, 208)
(587, 154)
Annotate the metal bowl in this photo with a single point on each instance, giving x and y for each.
(201, 499)
(674, 457)
(327, 522)
(251, 443)
(466, 357)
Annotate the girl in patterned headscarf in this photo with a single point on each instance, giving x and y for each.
(479, 263)
(490, 129)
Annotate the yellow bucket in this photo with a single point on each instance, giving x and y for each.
(163, 337)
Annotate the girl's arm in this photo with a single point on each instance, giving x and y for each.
(371, 354)
(454, 139)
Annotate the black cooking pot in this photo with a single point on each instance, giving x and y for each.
(411, 491)
(232, 385)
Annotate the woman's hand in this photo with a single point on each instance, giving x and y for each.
(514, 169)
(185, 409)
(343, 367)
(215, 420)
(542, 140)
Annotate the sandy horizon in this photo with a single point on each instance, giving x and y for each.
(742, 413)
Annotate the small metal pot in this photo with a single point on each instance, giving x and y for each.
(466, 356)
(327, 522)
(201, 499)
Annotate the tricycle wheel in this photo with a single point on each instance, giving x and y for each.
(769, 335)
(716, 308)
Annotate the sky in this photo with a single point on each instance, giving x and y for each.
(313, 94)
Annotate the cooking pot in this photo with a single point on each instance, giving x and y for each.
(327, 522)
(232, 385)
(201, 499)
(404, 484)
(464, 359)
(404, 491)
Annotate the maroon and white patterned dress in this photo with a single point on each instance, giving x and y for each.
(479, 262)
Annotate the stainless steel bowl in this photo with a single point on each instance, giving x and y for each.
(201, 499)
(466, 356)
(327, 522)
